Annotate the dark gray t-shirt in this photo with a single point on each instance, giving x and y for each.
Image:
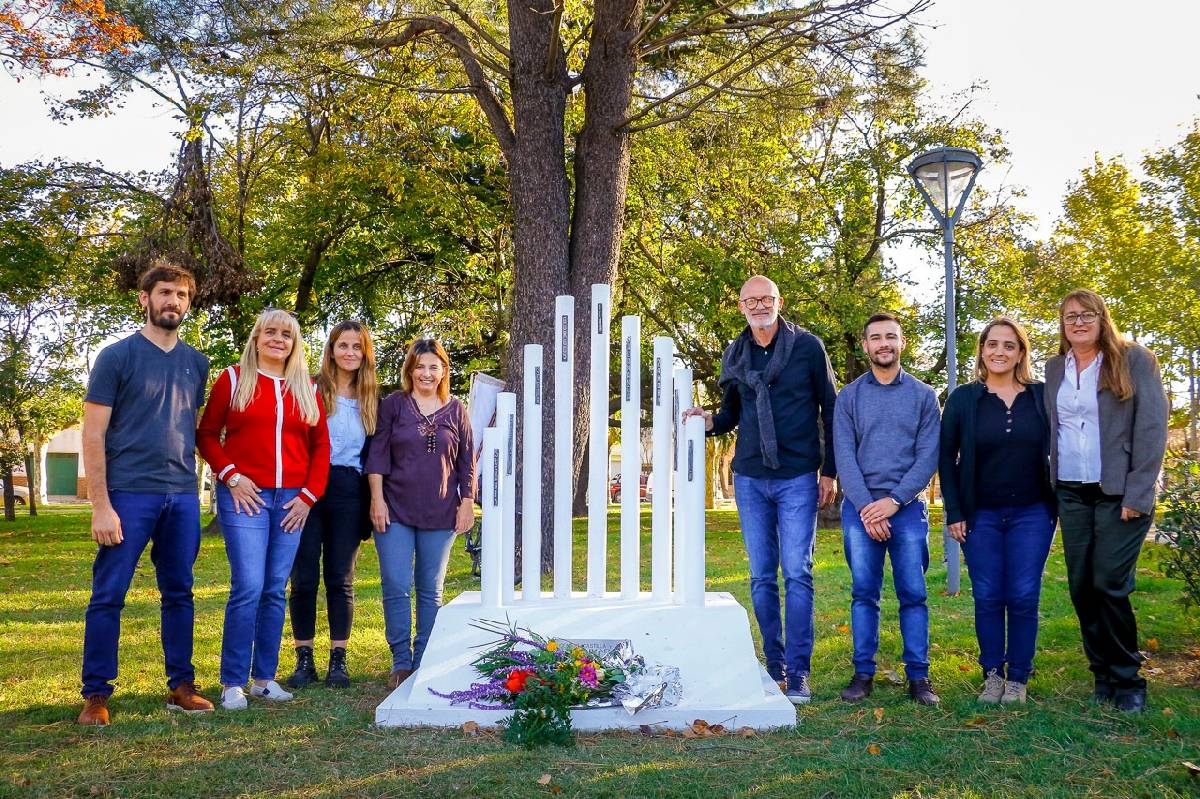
(150, 445)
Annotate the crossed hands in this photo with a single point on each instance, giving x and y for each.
(875, 518)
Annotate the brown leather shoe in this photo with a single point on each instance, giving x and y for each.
(398, 676)
(185, 698)
(95, 711)
(860, 688)
(922, 693)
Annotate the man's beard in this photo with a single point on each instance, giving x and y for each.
(158, 319)
(891, 356)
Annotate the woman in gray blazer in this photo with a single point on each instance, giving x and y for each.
(1108, 432)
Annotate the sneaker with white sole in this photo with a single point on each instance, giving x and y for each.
(272, 692)
(234, 698)
(993, 688)
(798, 692)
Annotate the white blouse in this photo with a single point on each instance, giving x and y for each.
(1079, 422)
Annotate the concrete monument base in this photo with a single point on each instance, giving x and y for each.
(723, 682)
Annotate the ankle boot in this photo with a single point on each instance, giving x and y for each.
(337, 676)
(306, 669)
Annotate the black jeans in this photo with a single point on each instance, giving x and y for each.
(334, 528)
(1101, 553)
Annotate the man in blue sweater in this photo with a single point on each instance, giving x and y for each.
(778, 390)
(885, 434)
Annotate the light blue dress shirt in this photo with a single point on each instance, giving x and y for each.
(346, 434)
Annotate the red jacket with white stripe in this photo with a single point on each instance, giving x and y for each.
(269, 441)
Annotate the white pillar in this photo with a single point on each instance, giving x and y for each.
(493, 509)
(506, 421)
(531, 466)
(564, 423)
(660, 508)
(683, 401)
(694, 496)
(597, 560)
(631, 456)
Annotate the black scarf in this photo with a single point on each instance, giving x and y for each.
(736, 367)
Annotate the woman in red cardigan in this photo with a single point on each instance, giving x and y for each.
(271, 466)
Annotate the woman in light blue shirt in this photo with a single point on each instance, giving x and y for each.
(338, 523)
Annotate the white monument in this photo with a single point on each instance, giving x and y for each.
(706, 635)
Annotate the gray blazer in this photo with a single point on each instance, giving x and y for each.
(1133, 433)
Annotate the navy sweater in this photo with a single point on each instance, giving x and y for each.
(802, 401)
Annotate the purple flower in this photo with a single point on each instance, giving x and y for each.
(587, 675)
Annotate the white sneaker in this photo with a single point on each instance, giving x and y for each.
(271, 692)
(234, 698)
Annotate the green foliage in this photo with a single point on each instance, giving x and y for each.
(1179, 527)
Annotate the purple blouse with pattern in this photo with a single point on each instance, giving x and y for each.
(422, 489)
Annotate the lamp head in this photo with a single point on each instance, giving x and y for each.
(945, 177)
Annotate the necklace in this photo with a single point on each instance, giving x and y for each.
(426, 426)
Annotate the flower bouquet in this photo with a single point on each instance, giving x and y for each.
(541, 679)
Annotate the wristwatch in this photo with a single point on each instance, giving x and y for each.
(234, 480)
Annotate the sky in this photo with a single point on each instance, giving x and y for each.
(1063, 79)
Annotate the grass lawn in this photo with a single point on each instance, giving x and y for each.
(323, 744)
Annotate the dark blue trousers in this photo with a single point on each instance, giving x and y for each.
(170, 523)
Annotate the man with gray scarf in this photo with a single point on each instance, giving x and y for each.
(778, 390)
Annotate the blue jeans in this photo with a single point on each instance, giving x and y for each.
(398, 548)
(908, 548)
(171, 524)
(1006, 551)
(779, 527)
(260, 556)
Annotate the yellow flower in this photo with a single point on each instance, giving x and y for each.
(578, 662)
(552, 646)
(577, 652)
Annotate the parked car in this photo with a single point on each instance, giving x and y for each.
(20, 493)
(614, 489)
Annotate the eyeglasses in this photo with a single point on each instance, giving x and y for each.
(754, 303)
(1085, 318)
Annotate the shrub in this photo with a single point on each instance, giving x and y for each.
(1179, 527)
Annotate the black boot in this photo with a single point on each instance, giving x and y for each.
(337, 677)
(306, 669)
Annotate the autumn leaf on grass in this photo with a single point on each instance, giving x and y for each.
(977, 721)
(544, 779)
(843, 628)
(874, 749)
(1152, 644)
(1168, 712)
(1172, 733)
(964, 666)
(893, 676)
(878, 715)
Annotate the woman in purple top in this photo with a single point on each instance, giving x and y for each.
(421, 470)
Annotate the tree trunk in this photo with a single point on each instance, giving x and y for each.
(541, 210)
(10, 497)
(1193, 403)
(601, 182)
(31, 477)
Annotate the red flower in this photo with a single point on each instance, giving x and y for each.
(516, 680)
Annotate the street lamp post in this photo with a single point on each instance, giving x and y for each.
(945, 177)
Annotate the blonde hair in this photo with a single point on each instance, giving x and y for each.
(1114, 369)
(425, 346)
(1021, 372)
(295, 369)
(365, 382)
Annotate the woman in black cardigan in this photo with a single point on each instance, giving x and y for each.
(995, 475)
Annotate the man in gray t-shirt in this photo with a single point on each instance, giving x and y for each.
(139, 441)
